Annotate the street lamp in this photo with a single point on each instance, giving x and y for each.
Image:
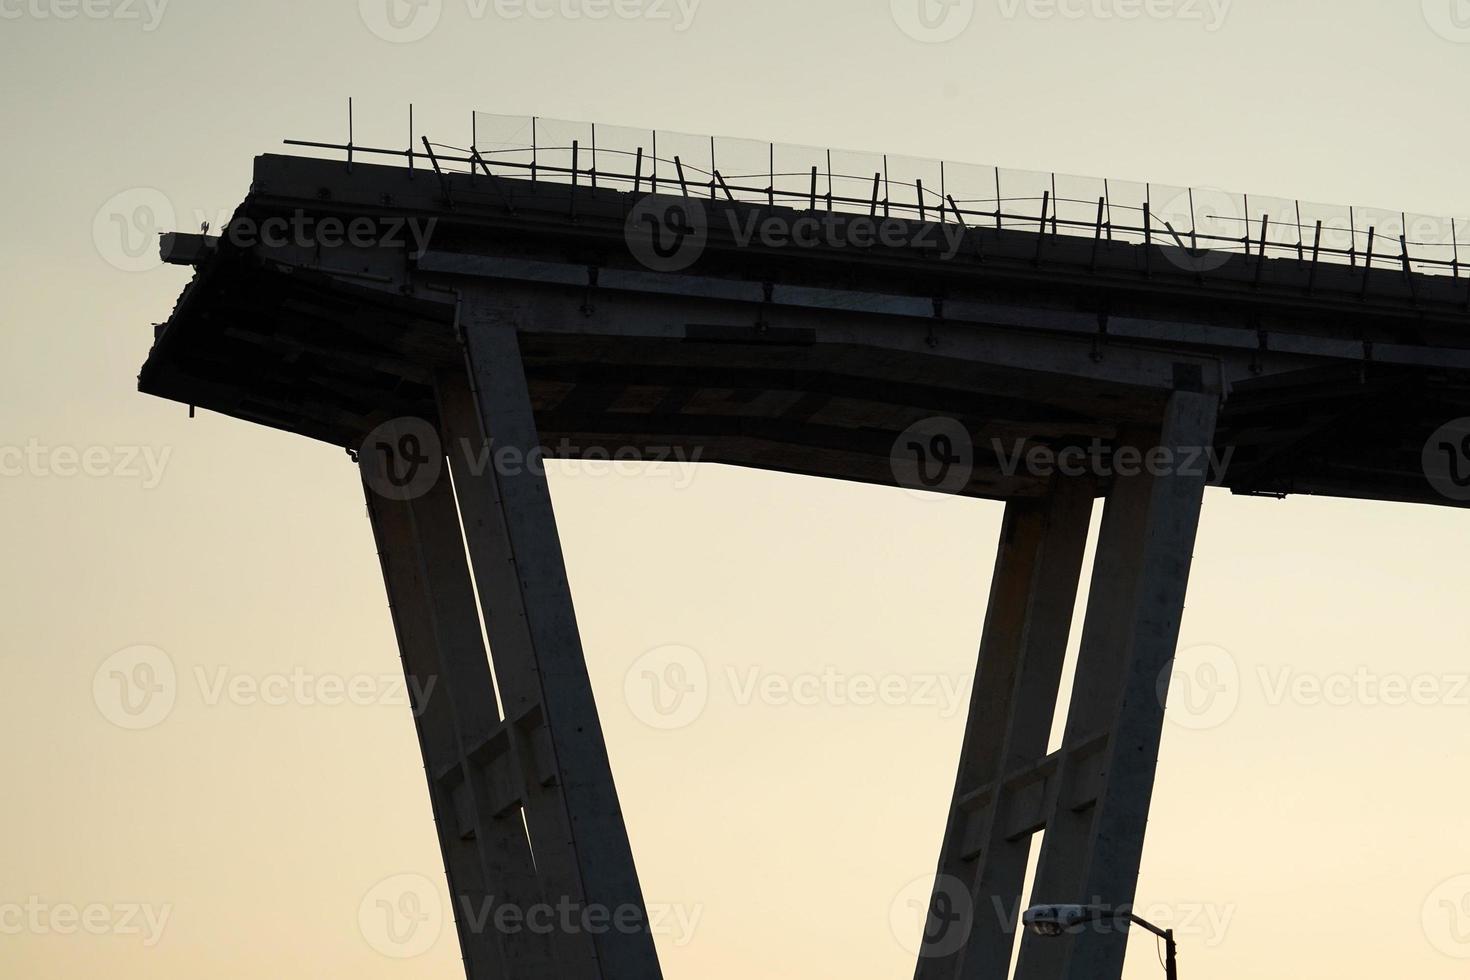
(1054, 920)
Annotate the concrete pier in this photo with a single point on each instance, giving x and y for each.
(532, 322)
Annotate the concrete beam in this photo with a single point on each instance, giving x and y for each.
(457, 822)
(1091, 852)
(1027, 621)
(576, 823)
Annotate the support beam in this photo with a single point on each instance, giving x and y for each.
(1027, 621)
(414, 619)
(1094, 835)
(583, 858)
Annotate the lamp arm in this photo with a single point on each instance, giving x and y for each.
(1161, 933)
(1171, 965)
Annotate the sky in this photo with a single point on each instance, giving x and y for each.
(1309, 816)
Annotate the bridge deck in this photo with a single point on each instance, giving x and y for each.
(808, 360)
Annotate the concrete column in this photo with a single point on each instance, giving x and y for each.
(420, 625)
(1027, 621)
(1094, 835)
(583, 857)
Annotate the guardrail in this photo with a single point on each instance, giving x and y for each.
(1202, 221)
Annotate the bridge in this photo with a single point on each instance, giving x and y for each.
(449, 315)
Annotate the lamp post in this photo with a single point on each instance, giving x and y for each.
(1054, 920)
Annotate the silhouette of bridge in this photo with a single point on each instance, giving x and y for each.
(569, 288)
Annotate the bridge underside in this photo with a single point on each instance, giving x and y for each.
(531, 325)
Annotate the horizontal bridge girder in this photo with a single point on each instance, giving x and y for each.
(1141, 329)
(268, 337)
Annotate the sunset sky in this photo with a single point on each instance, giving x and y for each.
(1310, 814)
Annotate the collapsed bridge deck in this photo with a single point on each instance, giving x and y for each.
(808, 360)
(348, 303)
